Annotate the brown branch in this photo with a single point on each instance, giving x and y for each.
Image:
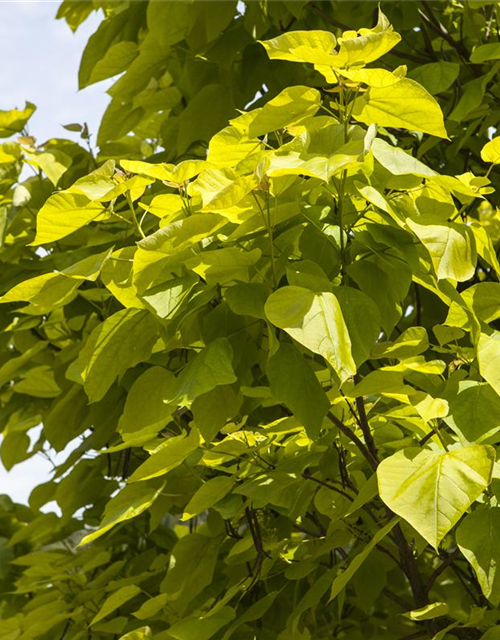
(395, 598)
(408, 56)
(254, 527)
(459, 575)
(330, 19)
(365, 427)
(306, 531)
(439, 570)
(417, 634)
(389, 554)
(430, 19)
(328, 486)
(343, 428)
(409, 565)
(428, 43)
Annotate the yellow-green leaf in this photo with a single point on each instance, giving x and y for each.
(451, 247)
(207, 495)
(432, 489)
(428, 612)
(491, 151)
(116, 600)
(120, 342)
(169, 455)
(13, 121)
(146, 409)
(64, 213)
(316, 321)
(129, 503)
(291, 106)
(316, 47)
(478, 538)
(488, 358)
(407, 105)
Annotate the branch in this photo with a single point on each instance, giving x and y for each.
(365, 427)
(408, 56)
(343, 428)
(328, 486)
(417, 634)
(430, 18)
(459, 575)
(306, 531)
(409, 565)
(395, 598)
(330, 19)
(253, 525)
(439, 570)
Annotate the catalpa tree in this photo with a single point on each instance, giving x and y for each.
(266, 333)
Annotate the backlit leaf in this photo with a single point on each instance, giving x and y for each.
(293, 382)
(169, 455)
(129, 503)
(478, 539)
(407, 105)
(432, 490)
(316, 321)
(120, 342)
(64, 213)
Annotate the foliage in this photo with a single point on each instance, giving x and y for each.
(268, 338)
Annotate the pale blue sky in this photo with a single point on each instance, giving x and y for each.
(40, 58)
(39, 62)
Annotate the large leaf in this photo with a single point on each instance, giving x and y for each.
(488, 358)
(64, 213)
(169, 455)
(362, 319)
(149, 416)
(344, 577)
(202, 628)
(436, 76)
(316, 321)
(406, 105)
(291, 106)
(115, 601)
(120, 342)
(432, 490)
(293, 382)
(452, 248)
(129, 503)
(210, 368)
(478, 538)
(491, 151)
(212, 409)
(475, 412)
(483, 298)
(13, 121)
(207, 495)
(45, 292)
(222, 188)
(195, 556)
(483, 52)
(397, 161)
(316, 47)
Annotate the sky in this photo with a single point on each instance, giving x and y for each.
(40, 58)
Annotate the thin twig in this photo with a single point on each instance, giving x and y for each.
(439, 570)
(354, 439)
(395, 598)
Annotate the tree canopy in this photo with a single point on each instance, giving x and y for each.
(260, 306)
